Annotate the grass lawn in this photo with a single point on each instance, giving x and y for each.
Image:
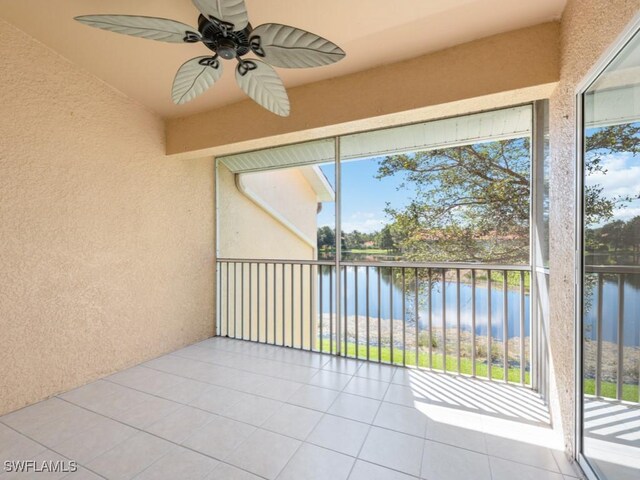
(371, 251)
(497, 372)
(608, 390)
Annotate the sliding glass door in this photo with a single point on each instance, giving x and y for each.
(610, 327)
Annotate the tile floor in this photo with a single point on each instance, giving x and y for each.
(227, 409)
(612, 437)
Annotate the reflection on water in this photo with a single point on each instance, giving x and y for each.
(391, 292)
(610, 305)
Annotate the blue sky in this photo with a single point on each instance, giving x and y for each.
(364, 197)
(620, 179)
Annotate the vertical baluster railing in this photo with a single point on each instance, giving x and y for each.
(249, 337)
(227, 300)
(379, 316)
(331, 309)
(357, 320)
(404, 318)
(505, 325)
(489, 332)
(599, 308)
(473, 323)
(430, 308)
(258, 291)
(284, 306)
(266, 302)
(275, 304)
(367, 312)
(522, 331)
(345, 331)
(242, 290)
(321, 302)
(620, 338)
(444, 320)
(417, 315)
(234, 297)
(311, 309)
(302, 306)
(293, 307)
(391, 322)
(219, 299)
(458, 332)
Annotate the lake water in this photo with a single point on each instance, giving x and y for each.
(631, 332)
(387, 291)
(610, 305)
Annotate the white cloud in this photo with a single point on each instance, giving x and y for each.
(627, 213)
(622, 176)
(365, 222)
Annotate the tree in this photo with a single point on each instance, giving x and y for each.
(613, 234)
(326, 237)
(598, 144)
(632, 233)
(471, 202)
(385, 239)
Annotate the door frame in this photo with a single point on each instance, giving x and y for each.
(594, 73)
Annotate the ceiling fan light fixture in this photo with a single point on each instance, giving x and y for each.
(224, 28)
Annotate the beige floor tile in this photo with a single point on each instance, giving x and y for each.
(293, 421)
(368, 471)
(339, 434)
(219, 437)
(315, 463)
(316, 398)
(355, 407)
(179, 463)
(130, 457)
(444, 462)
(394, 450)
(264, 453)
(402, 419)
(180, 425)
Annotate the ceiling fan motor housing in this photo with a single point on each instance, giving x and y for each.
(226, 43)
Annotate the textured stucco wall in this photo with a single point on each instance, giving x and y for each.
(587, 29)
(106, 245)
(247, 231)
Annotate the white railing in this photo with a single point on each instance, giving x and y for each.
(476, 322)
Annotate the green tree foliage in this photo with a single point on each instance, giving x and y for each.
(326, 238)
(598, 144)
(385, 239)
(632, 234)
(613, 234)
(471, 202)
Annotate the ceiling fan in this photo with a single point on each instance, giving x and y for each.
(224, 28)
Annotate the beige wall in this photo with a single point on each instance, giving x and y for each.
(243, 224)
(508, 62)
(588, 27)
(106, 254)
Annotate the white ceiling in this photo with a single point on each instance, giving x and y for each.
(372, 32)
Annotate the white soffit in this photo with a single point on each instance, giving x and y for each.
(319, 183)
(450, 132)
(616, 106)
